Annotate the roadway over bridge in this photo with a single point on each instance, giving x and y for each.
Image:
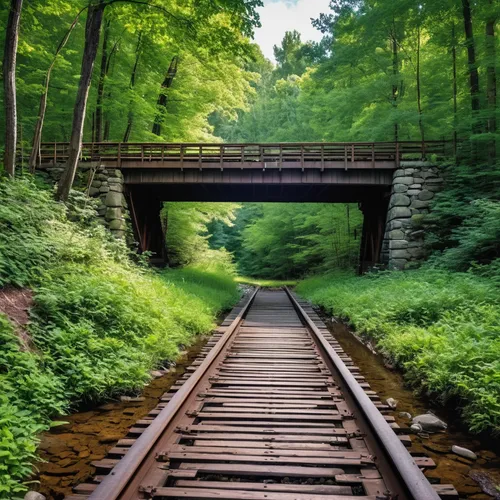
(355, 172)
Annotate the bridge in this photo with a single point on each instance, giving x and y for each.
(354, 172)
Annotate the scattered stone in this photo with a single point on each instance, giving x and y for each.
(156, 374)
(94, 191)
(464, 452)
(34, 495)
(405, 414)
(66, 462)
(416, 428)
(391, 403)
(131, 399)
(429, 423)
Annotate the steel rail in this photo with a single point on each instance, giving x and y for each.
(412, 477)
(114, 484)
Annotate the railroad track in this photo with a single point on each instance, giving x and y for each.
(273, 410)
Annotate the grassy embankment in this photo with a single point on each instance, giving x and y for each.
(442, 328)
(99, 322)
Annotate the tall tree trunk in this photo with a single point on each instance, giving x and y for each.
(473, 71)
(92, 35)
(395, 74)
(133, 76)
(37, 136)
(419, 90)
(491, 82)
(100, 86)
(455, 87)
(9, 85)
(163, 97)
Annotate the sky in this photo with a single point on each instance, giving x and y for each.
(279, 16)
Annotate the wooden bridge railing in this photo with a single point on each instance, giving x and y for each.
(213, 155)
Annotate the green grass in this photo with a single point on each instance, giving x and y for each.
(442, 328)
(265, 283)
(99, 324)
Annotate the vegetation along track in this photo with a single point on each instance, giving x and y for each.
(274, 410)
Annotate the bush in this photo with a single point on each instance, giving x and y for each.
(99, 323)
(442, 328)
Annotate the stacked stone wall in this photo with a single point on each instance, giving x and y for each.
(413, 188)
(104, 184)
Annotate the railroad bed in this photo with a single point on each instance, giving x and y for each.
(272, 410)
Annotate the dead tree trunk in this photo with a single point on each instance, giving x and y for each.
(100, 85)
(163, 97)
(491, 82)
(133, 76)
(34, 160)
(92, 35)
(9, 85)
(473, 71)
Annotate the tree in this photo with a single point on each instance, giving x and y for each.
(92, 35)
(472, 65)
(37, 136)
(163, 97)
(9, 85)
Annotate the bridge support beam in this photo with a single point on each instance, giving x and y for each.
(146, 221)
(374, 217)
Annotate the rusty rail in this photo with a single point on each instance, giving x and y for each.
(276, 397)
(191, 155)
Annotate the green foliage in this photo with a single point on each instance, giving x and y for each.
(289, 240)
(187, 235)
(99, 324)
(441, 327)
(209, 38)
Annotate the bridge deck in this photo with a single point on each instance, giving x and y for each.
(321, 156)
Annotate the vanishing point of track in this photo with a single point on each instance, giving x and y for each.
(272, 410)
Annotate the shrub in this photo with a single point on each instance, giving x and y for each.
(441, 327)
(99, 324)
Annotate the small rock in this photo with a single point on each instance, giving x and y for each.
(130, 399)
(405, 414)
(156, 374)
(416, 428)
(463, 452)
(429, 423)
(391, 403)
(34, 495)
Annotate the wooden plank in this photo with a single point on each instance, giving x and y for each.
(292, 488)
(201, 494)
(262, 470)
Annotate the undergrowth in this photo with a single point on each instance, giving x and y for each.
(441, 327)
(100, 322)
